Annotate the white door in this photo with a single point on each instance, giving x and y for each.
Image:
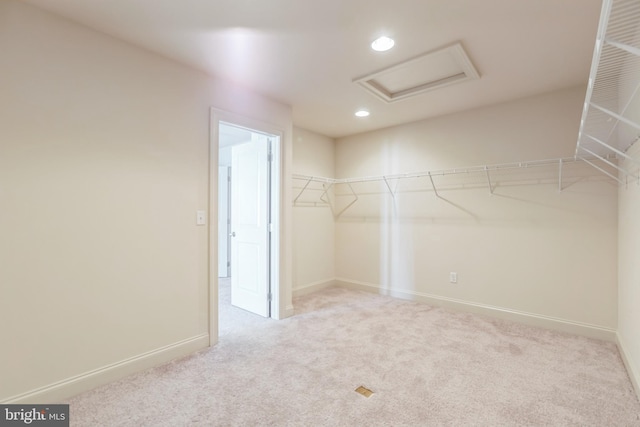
(224, 220)
(250, 225)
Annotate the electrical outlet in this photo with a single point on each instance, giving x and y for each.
(453, 277)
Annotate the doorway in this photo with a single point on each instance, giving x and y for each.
(247, 204)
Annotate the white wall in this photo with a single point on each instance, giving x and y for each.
(629, 228)
(104, 160)
(313, 221)
(629, 269)
(546, 256)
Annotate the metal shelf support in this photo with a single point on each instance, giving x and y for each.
(486, 170)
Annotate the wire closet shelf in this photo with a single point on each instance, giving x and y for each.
(560, 172)
(609, 124)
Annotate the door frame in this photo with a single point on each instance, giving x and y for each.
(227, 215)
(276, 249)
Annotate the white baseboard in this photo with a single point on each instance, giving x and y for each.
(288, 311)
(69, 387)
(548, 322)
(632, 369)
(313, 287)
(283, 314)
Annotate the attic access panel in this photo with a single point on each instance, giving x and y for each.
(432, 70)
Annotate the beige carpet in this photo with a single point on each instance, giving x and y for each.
(425, 366)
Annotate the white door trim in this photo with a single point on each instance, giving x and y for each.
(224, 186)
(278, 276)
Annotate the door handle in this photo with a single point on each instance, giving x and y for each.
(232, 234)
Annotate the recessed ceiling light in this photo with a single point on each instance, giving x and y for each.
(362, 113)
(382, 43)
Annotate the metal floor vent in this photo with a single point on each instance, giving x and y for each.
(364, 391)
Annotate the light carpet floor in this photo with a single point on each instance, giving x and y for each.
(427, 366)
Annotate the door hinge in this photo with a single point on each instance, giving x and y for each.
(228, 263)
(270, 228)
(269, 296)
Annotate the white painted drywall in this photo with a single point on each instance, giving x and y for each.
(527, 248)
(629, 268)
(629, 227)
(104, 160)
(313, 224)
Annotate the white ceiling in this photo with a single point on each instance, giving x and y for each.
(307, 53)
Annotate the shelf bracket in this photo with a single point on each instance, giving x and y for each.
(604, 144)
(303, 188)
(435, 190)
(610, 175)
(486, 170)
(625, 108)
(324, 193)
(389, 187)
(610, 163)
(627, 48)
(615, 115)
(355, 199)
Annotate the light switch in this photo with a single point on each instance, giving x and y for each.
(200, 218)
